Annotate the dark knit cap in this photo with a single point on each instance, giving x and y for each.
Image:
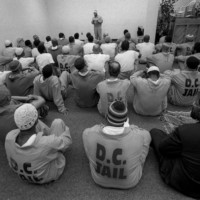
(117, 114)
(192, 62)
(14, 65)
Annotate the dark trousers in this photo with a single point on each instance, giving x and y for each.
(165, 165)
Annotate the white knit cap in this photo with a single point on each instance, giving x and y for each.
(7, 43)
(25, 116)
(19, 51)
(153, 68)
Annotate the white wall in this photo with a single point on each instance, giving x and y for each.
(70, 16)
(22, 18)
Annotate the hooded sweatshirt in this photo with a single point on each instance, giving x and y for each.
(150, 97)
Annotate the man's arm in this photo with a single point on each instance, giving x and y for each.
(36, 101)
(100, 20)
(171, 147)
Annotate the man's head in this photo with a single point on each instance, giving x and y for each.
(189, 38)
(90, 38)
(36, 43)
(79, 64)
(96, 49)
(88, 34)
(36, 37)
(114, 68)
(54, 42)
(25, 116)
(197, 47)
(47, 71)
(146, 38)
(65, 50)
(107, 39)
(15, 66)
(195, 112)
(41, 48)
(125, 31)
(20, 42)
(8, 43)
(168, 39)
(61, 35)
(19, 52)
(76, 36)
(125, 45)
(117, 114)
(127, 36)
(153, 72)
(192, 63)
(5, 96)
(71, 39)
(48, 38)
(95, 13)
(28, 43)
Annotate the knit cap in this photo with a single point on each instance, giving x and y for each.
(25, 116)
(7, 43)
(117, 114)
(14, 65)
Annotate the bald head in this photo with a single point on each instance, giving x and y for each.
(114, 69)
(96, 48)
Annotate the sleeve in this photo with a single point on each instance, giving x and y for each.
(30, 61)
(151, 60)
(36, 89)
(57, 97)
(100, 20)
(171, 146)
(134, 77)
(62, 142)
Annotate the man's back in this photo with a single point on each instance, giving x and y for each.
(44, 59)
(39, 161)
(63, 41)
(109, 49)
(146, 49)
(111, 90)
(55, 53)
(88, 48)
(75, 49)
(184, 88)
(85, 87)
(9, 52)
(116, 161)
(150, 97)
(96, 62)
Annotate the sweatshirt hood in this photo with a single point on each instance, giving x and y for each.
(154, 84)
(13, 76)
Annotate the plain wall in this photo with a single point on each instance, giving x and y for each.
(22, 18)
(70, 16)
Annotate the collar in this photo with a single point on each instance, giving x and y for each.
(111, 130)
(30, 141)
(83, 73)
(54, 48)
(112, 80)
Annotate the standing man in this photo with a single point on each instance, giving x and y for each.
(97, 21)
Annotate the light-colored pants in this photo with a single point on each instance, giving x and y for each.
(64, 83)
(97, 32)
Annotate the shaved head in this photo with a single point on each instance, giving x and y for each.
(114, 68)
(96, 48)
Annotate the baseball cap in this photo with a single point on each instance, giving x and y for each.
(14, 65)
(25, 116)
(153, 68)
(117, 114)
(19, 51)
(7, 43)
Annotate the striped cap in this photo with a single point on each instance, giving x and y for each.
(117, 114)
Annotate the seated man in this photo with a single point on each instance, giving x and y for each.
(75, 49)
(178, 155)
(52, 88)
(55, 50)
(185, 85)
(109, 48)
(43, 58)
(35, 51)
(9, 50)
(77, 40)
(96, 61)
(28, 49)
(35, 151)
(168, 41)
(112, 88)
(127, 59)
(84, 83)
(25, 61)
(66, 61)
(150, 93)
(146, 48)
(163, 60)
(62, 40)
(8, 105)
(116, 153)
(20, 81)
(88, 47)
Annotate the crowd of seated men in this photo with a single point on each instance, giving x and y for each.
(101, 73)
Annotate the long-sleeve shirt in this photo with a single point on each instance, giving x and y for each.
(50, 90)
(40, 159)
(182, 146)
(116, 161)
